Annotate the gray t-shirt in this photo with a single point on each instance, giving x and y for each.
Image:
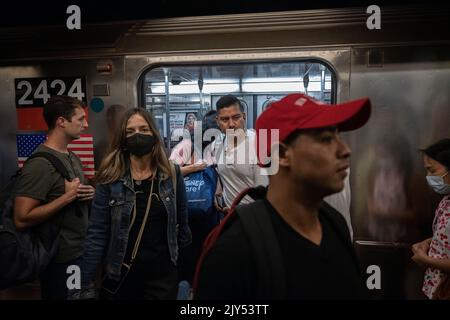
(40, 180)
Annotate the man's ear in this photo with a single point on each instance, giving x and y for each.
(284, 155)
(60, 122)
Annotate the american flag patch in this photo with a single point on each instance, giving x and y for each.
(83, 148)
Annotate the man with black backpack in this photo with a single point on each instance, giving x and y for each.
(290, 244)
(45, 200)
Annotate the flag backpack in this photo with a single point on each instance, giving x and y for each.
(23, 254)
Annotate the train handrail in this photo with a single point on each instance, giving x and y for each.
(383, 244)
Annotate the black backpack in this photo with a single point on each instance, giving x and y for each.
(256, 222)
(25, 254)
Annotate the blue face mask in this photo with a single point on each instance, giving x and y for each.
(438, 184)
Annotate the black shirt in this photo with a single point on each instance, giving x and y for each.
(327, 271)
(153, 247)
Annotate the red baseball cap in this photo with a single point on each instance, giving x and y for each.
(299, 111)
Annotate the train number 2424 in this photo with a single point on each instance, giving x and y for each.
(37, 91)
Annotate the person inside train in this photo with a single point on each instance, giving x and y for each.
(190, 119)
(186, 156)
(42, 194)
(190, 157)
(434, 253)
(253, 257)
(138, 217)
(113, 115)
(235, 153)
(203, 190)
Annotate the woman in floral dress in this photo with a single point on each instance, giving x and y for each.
(434, 253)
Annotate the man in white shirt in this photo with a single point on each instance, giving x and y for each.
(235, 152)
(341, 202)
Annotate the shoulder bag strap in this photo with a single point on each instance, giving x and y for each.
(257, 224)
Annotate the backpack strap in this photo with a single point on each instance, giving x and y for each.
(60, 168)
(213, 236)
(257, 225)
(55, 161)
(219, 201)
(271, 272)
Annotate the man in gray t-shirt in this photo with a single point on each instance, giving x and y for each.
(42, 194)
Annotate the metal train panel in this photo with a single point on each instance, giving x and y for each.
(393, 206)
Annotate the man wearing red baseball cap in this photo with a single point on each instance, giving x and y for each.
(306, 241)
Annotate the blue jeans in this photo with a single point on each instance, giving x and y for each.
(54, 280)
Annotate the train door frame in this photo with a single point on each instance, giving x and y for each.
(338, 60)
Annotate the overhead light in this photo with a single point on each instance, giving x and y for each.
(208, 88)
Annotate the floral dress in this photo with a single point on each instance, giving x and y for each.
(439, 246)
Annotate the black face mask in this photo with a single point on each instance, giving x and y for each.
(140, 144)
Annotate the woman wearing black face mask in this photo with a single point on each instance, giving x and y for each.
(434, 253)
(138, 219)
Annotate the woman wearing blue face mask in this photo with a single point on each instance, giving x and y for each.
(138, 218)
(434, 253)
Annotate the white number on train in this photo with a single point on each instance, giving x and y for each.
(23, 100)
(76, 91)
(42, 88)
(42, 92)
(61, 84)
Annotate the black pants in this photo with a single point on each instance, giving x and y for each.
(147, 282)
(54, 280)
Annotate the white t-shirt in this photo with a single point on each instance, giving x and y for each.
(237, 167)
(181, 154)
(341, 202)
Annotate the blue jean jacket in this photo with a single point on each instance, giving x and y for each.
(107, 234)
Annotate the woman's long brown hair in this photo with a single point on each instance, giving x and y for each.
(115, 164)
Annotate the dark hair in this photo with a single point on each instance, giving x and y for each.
(439, 151)
(60, 106)
(292, 137)
(227, 101)
(209, 121)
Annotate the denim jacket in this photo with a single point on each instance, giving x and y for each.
(107, 234)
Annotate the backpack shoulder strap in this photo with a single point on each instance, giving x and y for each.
(55, 161)
(271, 272)
(278, 272)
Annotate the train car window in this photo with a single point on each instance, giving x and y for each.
(179, 95)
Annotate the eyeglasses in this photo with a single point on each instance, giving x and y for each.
(234, 118)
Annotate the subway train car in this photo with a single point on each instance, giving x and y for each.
(177, 68)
